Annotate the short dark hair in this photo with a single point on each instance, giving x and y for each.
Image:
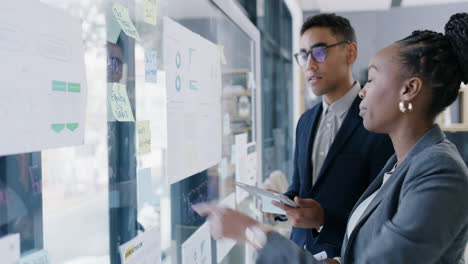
(339, 26)
(440, 60)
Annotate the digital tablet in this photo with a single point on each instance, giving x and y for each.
(260, 193)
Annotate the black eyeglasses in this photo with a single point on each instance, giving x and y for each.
(318, 53)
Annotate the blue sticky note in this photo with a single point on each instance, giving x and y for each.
(151, 66)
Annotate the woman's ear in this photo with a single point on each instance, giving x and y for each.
(411, 89)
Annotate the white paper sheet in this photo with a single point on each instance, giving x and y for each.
(223, 246)
(44, 90)
(197, 248)
(143, 249)
(10, 249)
(193, 83)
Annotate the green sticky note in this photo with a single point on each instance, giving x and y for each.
(57, 127)
(72, 126)
(120, 105)
(59, 86)
(74, 87)
(122, 16)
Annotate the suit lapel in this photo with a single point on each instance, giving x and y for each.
(376, 184)
(311, 131)
(350, 123)
(432, 137)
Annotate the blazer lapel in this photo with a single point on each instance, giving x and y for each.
(432, 137)
(311, 129)
(376, 184)
(429, 139)
(350, 123)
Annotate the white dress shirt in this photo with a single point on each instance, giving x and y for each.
(330, 122)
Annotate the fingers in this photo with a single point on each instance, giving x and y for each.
(305, 202)
(284, 207)
(300, 202)
(204, 209)
(271, 190)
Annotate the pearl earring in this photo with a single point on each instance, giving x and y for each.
(403, 108)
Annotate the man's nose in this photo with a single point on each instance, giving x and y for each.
(311, 63)
(362, 93)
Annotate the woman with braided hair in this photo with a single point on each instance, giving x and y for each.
(416, 210)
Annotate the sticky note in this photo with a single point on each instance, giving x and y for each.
(123, 18)
(144, 137)
(59, 86)
(57, 127)
(150, 12)
(221, 54)
(120, 105)
(151, 67)
(72, 126)
(74, 87)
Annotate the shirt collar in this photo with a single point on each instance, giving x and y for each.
(342, 105)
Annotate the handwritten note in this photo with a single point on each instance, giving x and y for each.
(122, 16)
(120, 105)
(144, 137)
(150, 12)
(151, 67)
(197, 248)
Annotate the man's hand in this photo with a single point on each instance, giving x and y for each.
(309, 214)
(332, 261)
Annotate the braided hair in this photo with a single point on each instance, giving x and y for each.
(440, 60)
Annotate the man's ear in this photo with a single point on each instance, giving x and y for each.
(411, 89)
(352, 53)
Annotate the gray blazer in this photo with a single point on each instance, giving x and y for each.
(419, 216)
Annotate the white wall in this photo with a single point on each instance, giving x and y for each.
(377, 29)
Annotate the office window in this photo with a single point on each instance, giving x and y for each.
(274, 21)
(77, 205)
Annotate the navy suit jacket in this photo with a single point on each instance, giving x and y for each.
(353, 161)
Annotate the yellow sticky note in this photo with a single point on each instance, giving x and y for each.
(120, 104)
(150, 12)
(122, 16)
(144, 137)
(221, 54)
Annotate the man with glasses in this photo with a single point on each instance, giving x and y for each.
(335, 158)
